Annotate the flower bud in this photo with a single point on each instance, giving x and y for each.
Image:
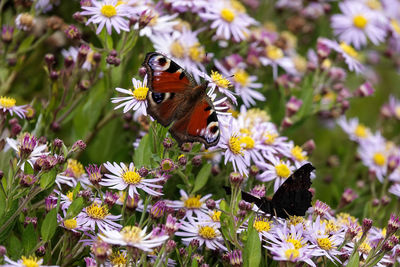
(41, 251)
(167, 165)
(157, 210)
(3, 251)
(110, 198)
(393, 224)
(197, 160)
(79, 145)
(167, 143)
(254, 170)
(236, 179)
(15, 129)
(101, 250)
(365, 90)
(366, 225)
(7, 33)
(182, 160)
(210, 203)
(143, 172)
(170, 246)
(26, 180)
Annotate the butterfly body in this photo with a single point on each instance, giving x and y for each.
(292, 197)
(175, 98)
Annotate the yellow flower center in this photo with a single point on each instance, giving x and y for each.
(324, 243)
(397, 111)
(295, 220)
(361, 131)
(131, 177)
(274, 52)
(207, 232)
(108, 11)
(383, 232)
(216, 215)
(291, 253)
(193, 202)
(379, 159)
(30, 262)
(234, 145)
(70, 224)
(300, 63)
(296, 243)
(360, 21)
(395, 26)
(219, 80)
(177, 50)
(75, 167)
(364, 248)
(238, 6)
(118, 259)
(7, 102)
(227, 15)
(131, 234)
(241, 77)
(96, 211)
(262, 225)
(196, 53)
(282, 170)
(70, 195)
(331, 227)
(270, 138)
(247, 141)
(297, 153)
(349, 50)
(326, 63)
(374, 4)
(140, 93)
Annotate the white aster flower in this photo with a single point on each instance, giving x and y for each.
(124, 177)
(73, 53)
(109, 13)
(98, 215)
(275, 58)
(356, 131)
(276, 169)
(73, 174)
(7, 104)
(20, 144)
(193, 204)
(24, 262)
(132, 236)
(158, 23)
(136, 99)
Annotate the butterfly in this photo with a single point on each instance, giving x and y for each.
(175, 98)
(292, 197)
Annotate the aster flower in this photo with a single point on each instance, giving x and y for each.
(156, 22)
(98, 215)
(192, 204)
(354, 129)
(394, 107)
(132, 236)
(218, 82)
(7, 104)
(275, 57)
(187, 5)
(73, 53)
(374, 155)
(136, 99)
(109, 13)
(22, 143)
(395, 190)
(71, 224)
(350, 55)
(25, 22)
(277, 170)
(73, 174)
(356, 23)
(205, 233)
(228, 20)
(25, 261)
(126, 177)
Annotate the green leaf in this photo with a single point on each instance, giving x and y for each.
(47, 179)
(75, 207)
(224, 206)
(252, 251)
(143, 152)
(26, 43)
(28, 168)
(64, 150)
(49, 225)
(354, 260)
(29, 239)
(14, 248)
(202, 178)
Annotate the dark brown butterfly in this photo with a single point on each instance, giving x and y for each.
(174, 97)
(292, 197)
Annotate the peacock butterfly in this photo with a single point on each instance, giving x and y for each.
(292, 197)
(174, 97)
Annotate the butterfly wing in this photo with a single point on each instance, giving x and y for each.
(199, 124)
(293, 196)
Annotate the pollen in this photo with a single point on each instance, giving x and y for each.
(325, 243)
(360, 21)
(118, 259)
(216, 215)
(364, 248)
(292, 253)
(70, 224)
(295, 220)
(70, 195)
(379, 159)
(196, 52)
(219, 80)
(207, 232)
(273, 52)
(262, 224)
(131, 234)
(349, 50)
(30, 262)
(361, 131)
(295, 242)
(270, 138)
(177, 50)
(297, 153)
(7, 102)
(241, 77)
(235, 145)
(131, 177)
(282, 170)
(108, 11)
(75, 167)
(140, 93)
(247, 141)
(193, 202)
(96, 211)
(227, 15)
